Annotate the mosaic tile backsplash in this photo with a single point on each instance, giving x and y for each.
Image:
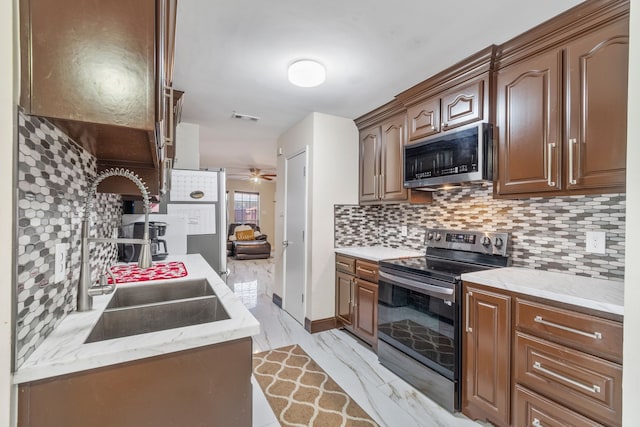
(53, 175)
(546, 233)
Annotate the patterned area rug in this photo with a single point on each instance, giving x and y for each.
(301, 394)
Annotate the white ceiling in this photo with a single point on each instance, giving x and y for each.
(233, 56)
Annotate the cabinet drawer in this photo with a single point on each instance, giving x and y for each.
(531, 409)
(345, 264)
(587, 384)
(367, 270)
(586, 333)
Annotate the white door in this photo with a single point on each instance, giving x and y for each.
(295, 222)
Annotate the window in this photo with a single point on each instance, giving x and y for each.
(246, 207)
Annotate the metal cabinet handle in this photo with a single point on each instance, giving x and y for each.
(536, 423)
(375, 186)
(593, 389)
(366, 270)
(344, 264)
(594, 335)
(467, 327)
(572, 142)
(382, 189)
(550, 148)
(168, 91)
(285, 243)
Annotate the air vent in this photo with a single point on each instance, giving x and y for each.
(247, 117)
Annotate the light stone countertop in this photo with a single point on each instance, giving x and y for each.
(64, 351)
(597, 294)
(377, 253)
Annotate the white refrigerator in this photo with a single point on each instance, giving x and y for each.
(199, 196)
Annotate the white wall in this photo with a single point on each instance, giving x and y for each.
(7, 142)
(631, 372)
(333, 179)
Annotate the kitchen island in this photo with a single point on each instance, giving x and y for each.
(193, 375)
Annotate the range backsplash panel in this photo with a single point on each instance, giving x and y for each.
(53, 176)
(546, 233)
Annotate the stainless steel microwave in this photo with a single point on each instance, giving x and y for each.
(462, 155)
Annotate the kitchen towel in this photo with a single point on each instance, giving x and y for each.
(127, 273)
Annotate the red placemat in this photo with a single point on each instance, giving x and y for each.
(127, 273)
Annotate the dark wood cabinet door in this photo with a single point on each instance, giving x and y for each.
(424, 118)
(597, 108)
(462, 105)
(391, 179)
(366, 311)
(528, 117)
(486, 386)
(344, 298)
(91, 61)
(369, 164)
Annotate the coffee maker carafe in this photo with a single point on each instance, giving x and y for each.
(131, 252)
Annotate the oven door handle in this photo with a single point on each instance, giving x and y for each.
(425, 288)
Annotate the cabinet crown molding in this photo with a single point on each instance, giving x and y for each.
(470, 67)
(560, 29)
(381, 113)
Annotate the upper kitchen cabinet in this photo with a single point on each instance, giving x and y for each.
(457, 96)
(455, 107)
(100, 72)
(562, 104)
(381, 157)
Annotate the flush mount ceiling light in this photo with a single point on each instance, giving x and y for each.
(307, 73)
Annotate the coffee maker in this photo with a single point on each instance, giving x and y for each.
(130, 253)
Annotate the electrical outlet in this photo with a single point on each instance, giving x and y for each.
(60, 263)
(595, 242)
(403, 230)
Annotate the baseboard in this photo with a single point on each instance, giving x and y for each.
(277, 300)
(313, 326)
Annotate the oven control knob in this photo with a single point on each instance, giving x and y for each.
(438, 237)
(429, 236)
(498, 243)
(486, 242)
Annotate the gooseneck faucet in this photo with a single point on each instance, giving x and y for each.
(86, 292)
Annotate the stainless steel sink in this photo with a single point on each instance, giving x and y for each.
(156, 292)
(158, 307)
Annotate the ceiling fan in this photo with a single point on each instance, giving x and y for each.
(256, 175)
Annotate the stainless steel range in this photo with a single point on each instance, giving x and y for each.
(419, 310)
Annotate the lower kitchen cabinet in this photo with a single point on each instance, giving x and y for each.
(366, 311)
(207, 386)
(344, 298)
(486, 355)
(357, 297)
(563, 367)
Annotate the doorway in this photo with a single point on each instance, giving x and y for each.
(295, 224)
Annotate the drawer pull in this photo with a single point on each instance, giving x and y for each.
(593, 389)
(467, 327)
(344, 264)
(366, 270)
(536, 423)
(594, 335)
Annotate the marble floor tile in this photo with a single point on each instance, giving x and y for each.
(384, 396)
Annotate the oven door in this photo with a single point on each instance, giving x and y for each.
(419, 316)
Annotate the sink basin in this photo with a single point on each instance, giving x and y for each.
(127, 296)
(151, 308)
